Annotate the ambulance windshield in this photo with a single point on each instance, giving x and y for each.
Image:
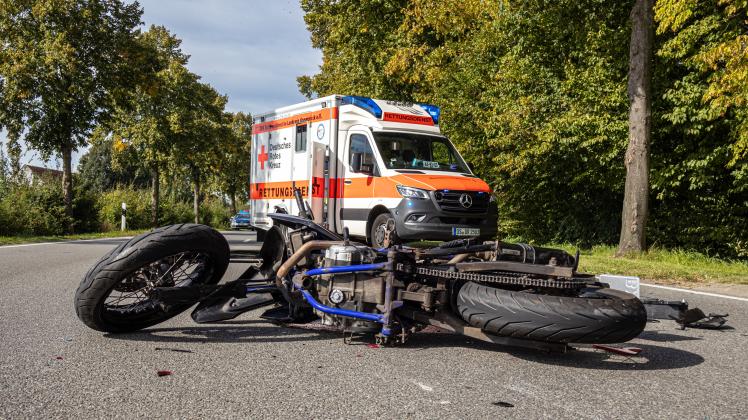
(418, 151)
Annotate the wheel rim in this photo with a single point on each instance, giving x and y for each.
(379, 233)
(382, 232)
(133, 293)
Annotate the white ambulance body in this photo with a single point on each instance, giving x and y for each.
(365, 164)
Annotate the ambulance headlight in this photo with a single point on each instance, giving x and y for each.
(410, 192)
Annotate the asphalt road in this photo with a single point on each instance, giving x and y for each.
(52, 366)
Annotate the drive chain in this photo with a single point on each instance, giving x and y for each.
(506, 278)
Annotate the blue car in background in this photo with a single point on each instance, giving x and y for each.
(241, 220)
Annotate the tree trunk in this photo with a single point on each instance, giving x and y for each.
(196, 198)
(14, 157)
(67, 185)
(636, 193)
(155, 184)
(232, 195)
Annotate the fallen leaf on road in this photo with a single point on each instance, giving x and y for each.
(163, 372)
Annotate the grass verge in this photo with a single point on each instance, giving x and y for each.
(661, 266)
(16, 240)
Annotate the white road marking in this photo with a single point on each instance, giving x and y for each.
(677, 289)
(425, 387)
(61, 242)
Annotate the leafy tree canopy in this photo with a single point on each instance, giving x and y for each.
(534, 95)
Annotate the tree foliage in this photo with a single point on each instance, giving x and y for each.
(149, 120)
(700, 174)
(232, 170)
(170, 122)
(61, 66)
(100, 171)
(534, 95)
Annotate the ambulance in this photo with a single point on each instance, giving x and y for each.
(380, 168)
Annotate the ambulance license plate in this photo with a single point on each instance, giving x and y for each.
(465, 231)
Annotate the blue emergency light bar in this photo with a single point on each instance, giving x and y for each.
(433, 110)
(364, 103)
(369, 105)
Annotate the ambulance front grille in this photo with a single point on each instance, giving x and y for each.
(450, 200)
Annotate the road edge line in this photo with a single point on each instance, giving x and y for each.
(63, 242)
(677, 289)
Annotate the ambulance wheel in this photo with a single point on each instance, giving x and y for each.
(383, 233)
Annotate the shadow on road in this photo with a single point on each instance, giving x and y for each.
(662, 337)
(652, 357)
(234, 332)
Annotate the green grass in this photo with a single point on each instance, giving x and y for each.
(661, 266)
(15, 240)
(658, 265)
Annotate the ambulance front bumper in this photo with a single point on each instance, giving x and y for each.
(422, 219)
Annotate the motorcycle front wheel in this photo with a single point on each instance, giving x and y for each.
(116, 293)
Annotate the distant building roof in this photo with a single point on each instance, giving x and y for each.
(38, 170)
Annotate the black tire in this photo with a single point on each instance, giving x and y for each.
(376, 237)
(611, 316)
(124, 267)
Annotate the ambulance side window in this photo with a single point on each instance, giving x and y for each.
(301, 138)
(360, 155)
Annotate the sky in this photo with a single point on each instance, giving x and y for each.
(250, 50)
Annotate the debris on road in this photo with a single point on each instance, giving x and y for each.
(163, 372)
(503, 404)
(425, 387)
(627, 352)
(679, 312)
(695, 318)
(173, 349)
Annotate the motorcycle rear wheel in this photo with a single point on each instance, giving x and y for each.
(115, 294)
(606, 316)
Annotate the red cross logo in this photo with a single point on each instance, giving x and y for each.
(262, 158)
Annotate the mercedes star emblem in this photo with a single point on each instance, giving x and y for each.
(466, 201)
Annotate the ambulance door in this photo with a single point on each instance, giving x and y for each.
(359, 172)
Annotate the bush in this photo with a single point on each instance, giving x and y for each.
(171, 211)
(38, 209)
(85, 211)
(214, 212)
(138, 208)
(33, 210)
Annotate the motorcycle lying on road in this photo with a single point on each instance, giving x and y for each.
(504, 293)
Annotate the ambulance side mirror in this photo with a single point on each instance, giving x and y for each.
(362, 163)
